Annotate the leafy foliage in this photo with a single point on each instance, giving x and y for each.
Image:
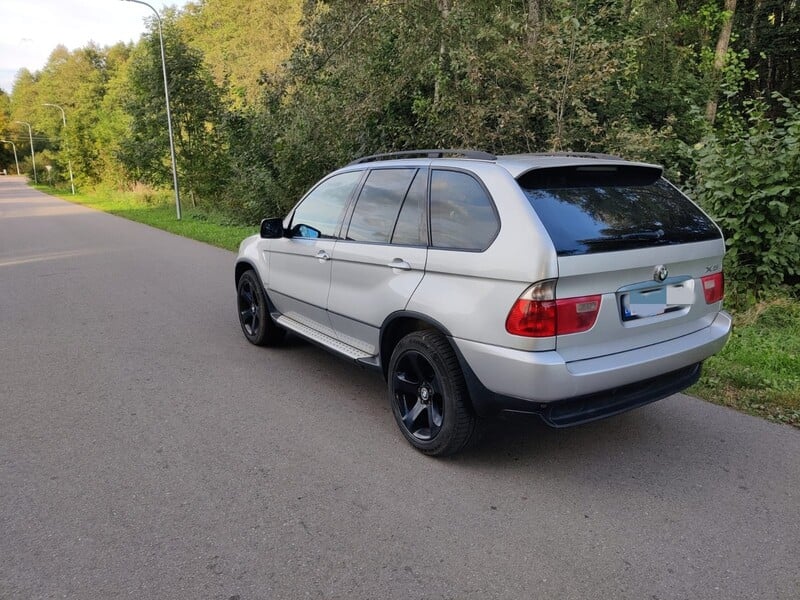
(195, 102)
(748, 178)
(242, 41)
(268, 96)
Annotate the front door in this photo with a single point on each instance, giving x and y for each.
(300, 265)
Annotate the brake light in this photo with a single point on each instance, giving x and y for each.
(713, 287)
(537, 313)
(532, 318)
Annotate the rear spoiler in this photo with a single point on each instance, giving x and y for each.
(590, 175)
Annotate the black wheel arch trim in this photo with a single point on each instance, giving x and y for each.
(240, 270)
(483, 401)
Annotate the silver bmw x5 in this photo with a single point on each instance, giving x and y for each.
(571, 286)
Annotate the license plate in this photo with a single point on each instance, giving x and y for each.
(648, 303)
(656, 301)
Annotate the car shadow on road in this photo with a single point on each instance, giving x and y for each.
(668, 444)
(658, 442)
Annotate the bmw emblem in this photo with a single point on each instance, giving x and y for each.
(661, 273)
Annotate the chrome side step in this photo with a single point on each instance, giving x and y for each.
(325, 341)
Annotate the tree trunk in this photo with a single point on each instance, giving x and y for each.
(719, 59)
(562, 101)
(444, 12)
(534, 20)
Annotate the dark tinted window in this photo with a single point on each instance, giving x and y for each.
(412, 226)
(610, 209)
(322, 210)
(462, 214)
(378, 205)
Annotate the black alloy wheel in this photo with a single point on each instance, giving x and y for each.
(418, 396)
(254, 317)
(428, 395)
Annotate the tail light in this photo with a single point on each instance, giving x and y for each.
(537, 313)
(713, 287)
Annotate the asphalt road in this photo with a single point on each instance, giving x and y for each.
(148, 451)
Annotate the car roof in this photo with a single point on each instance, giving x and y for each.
(515, 164)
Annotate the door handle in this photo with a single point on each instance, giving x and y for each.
(323, 256)
(399, 263)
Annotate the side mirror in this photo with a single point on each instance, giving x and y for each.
(306, 231)
(272, 228)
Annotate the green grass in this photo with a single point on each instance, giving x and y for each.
(757, 372)
(158, 210)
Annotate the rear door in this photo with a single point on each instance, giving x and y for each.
(625, 234)
(380, 259)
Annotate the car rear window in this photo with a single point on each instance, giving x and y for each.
(605, 208)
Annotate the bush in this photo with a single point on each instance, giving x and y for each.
(747, 176)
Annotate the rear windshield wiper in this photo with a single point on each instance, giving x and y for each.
(637, 236)
(625, 238)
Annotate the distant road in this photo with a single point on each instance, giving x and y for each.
(147, 451)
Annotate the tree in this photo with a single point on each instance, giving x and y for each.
(113, 123)
(723, 41)
(196, 110)
(770, 30)
(242, 41)
(6, 150)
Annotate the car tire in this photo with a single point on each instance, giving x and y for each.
(428, 395)
(254, 317)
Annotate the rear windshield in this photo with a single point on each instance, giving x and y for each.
(610, 208)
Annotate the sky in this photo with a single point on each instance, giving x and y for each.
(31, 29)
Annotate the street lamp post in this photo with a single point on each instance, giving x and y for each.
(13, 145)
(33, 156)
(169, 115)
(69, 161)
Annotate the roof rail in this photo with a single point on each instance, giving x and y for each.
(476, 154)
(578, 155)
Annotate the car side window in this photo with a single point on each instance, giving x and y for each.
(462, 213)
(378, 205)
(321, 211)
(412, 225)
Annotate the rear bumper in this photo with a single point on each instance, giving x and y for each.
(583, 409)
(506, 379)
